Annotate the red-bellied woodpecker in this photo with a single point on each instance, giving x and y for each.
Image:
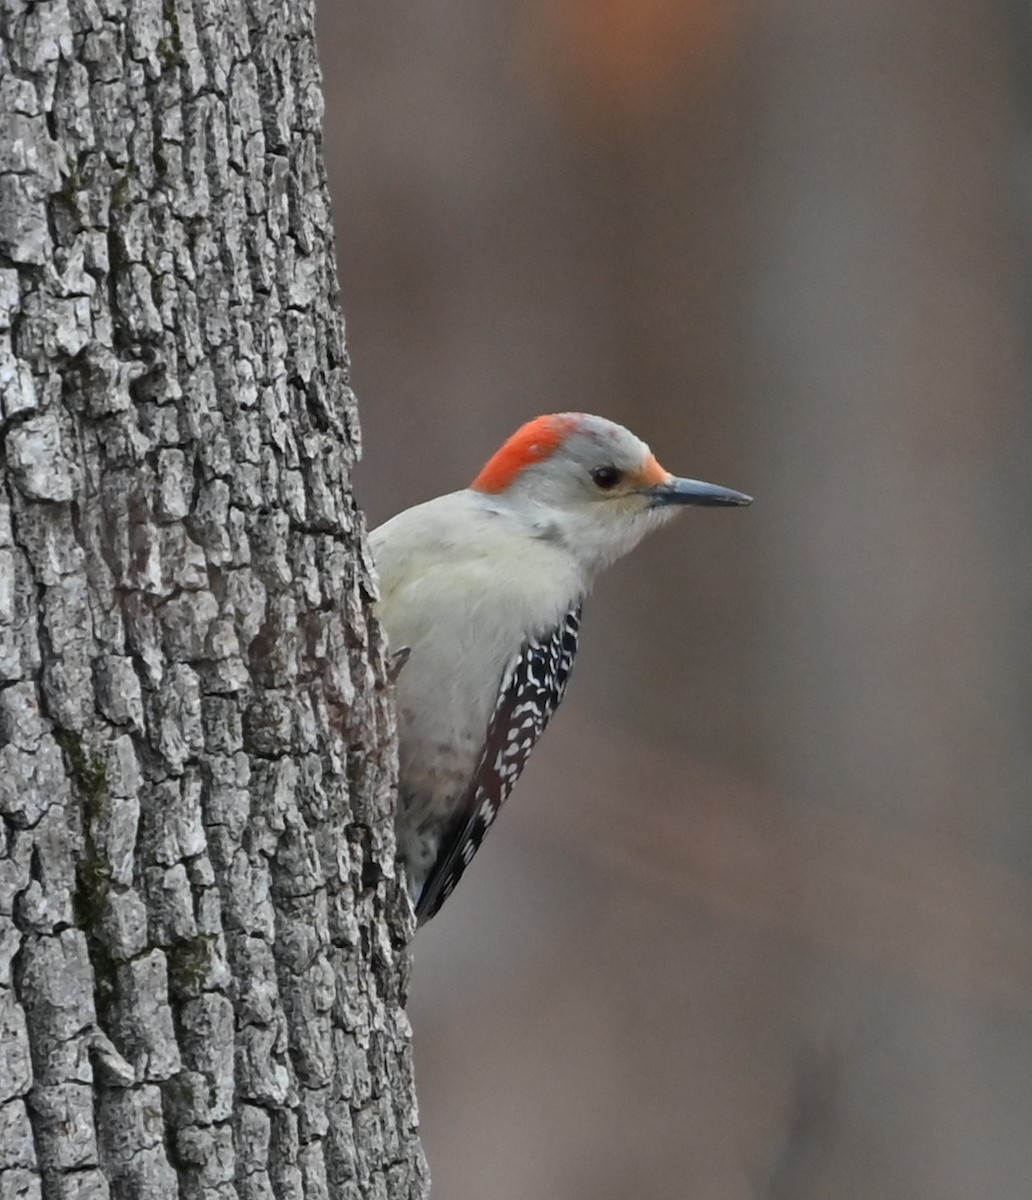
(483, 588)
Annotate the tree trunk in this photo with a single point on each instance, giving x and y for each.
(202, 955)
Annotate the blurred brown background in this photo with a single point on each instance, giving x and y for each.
(758, 921)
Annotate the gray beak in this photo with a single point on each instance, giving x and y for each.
(694, 491)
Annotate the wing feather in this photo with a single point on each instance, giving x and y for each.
(530, 690)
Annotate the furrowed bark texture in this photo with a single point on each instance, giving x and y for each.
(201, 944)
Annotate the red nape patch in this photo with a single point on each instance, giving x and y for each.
(533, 442)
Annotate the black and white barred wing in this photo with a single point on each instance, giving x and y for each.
(531, 689)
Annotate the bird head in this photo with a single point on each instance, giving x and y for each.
(590, 484)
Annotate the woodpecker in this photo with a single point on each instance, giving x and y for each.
(480, 595)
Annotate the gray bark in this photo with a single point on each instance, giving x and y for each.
(202, 961)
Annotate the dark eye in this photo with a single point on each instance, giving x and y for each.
(606, 477)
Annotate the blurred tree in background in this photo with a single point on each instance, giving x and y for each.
(759, 919)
